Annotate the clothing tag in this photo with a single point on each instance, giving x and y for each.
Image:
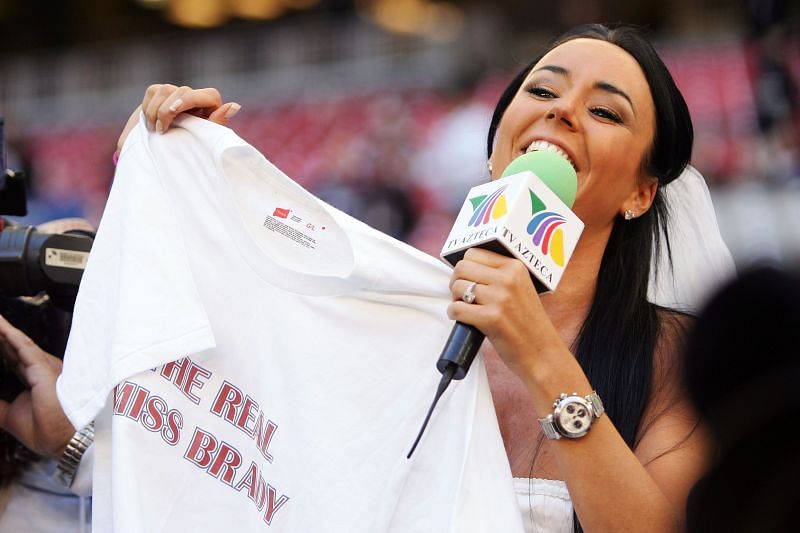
(285, 221)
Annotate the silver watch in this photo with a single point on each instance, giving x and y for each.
(71, 458)
(572, 416)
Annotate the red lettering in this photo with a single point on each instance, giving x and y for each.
(265, 437)
(255, 485)
(138, 403)
(227, 461)
(187, 376)
(193, 381)
(247, 415)
(202, 448)
(261, 493)
(175, 371)
(122, 395)
(153, 416)
(249, 481)
(171, 431)
(227, 400)
(272, 505)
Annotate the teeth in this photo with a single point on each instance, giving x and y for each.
(544, 146)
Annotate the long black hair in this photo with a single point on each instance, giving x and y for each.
(617, 341)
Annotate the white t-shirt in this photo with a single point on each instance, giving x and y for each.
(271, 360)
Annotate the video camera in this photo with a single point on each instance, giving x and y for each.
(46, 267)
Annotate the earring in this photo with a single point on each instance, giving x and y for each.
(489, 166)
(629, 214)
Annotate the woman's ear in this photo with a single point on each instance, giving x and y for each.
(640, 199)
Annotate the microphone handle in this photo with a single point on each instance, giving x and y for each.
(460, 349)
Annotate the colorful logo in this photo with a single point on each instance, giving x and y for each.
(489, 207)
(281, 212)
(545, 231)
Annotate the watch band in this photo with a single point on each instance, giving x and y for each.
(548, 428)
(71, 458)
(597, 404)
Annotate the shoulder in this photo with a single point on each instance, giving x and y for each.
(668, 405)
(672, 443)
(670, 347)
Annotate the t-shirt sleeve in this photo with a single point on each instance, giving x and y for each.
(137, 306)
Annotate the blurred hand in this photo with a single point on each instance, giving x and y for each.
(63, 225)
(35, 417)
(163, 102)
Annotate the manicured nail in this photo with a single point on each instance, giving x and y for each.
(232, 110)
(175, 105)
(159, 126)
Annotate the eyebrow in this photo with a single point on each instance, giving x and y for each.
(601, 85)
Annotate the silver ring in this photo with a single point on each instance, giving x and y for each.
(469, 296)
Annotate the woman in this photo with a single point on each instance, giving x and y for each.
(604, 99)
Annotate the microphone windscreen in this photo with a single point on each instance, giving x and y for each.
(554, 171)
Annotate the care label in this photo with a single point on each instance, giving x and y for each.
(281, 228)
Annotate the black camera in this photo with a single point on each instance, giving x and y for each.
(45, 269)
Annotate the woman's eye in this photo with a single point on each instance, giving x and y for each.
(602, 112)
(541, 92)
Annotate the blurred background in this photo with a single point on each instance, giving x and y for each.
(381, 106)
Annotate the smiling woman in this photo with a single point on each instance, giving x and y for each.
(606, 100)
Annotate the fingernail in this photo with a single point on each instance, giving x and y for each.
(159, 126)
(175, 105)
(232, 110)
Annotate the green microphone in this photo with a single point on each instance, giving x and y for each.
(554, 171)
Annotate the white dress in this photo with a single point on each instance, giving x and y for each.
(545, 505)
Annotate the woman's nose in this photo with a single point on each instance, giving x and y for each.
(562, 114)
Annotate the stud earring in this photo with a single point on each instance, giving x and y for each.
(489, 165)
(629, 214)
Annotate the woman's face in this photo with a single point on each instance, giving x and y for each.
(590, 99)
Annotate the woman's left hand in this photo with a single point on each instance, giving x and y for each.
(163, 102)
(506, 308)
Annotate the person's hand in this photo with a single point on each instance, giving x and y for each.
(163, 102)
(506, 308)
(35, 417)
(63, 225)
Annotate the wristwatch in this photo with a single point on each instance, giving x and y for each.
(572, 416)
(71, 458)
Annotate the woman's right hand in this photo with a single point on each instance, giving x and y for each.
(163, 102)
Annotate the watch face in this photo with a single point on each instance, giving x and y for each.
(573, 417)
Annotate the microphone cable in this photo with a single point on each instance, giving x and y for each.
(444, 382)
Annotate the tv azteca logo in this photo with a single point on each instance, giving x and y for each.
(544, 229)
(486, 208)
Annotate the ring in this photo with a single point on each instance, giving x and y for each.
(469, 296)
